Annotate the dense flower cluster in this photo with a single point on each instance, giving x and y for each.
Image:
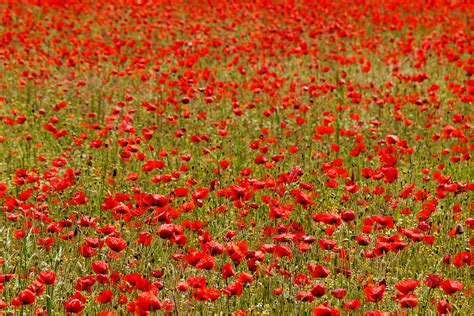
(236, 157)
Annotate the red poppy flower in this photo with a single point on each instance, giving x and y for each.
(339, 293)
(75, 304)
(25, 297)
(85, 283)
(48, 277)
(301, 279)
(227, 270)
(374, 293)
(107, 313)
(324, 310)
(79, 198)
(146, 302)
(278, 291)
(450, 287)
(433, 281)
(443, 307)
(105, 297)
(236, 250)
(19, 233)
(6, 277)
(304, 296)
(409, 301)
(318, 271)
(197, 282)
(327, 244)
(100, 267)
(115, 243)
(206, 262)
(86, 251)
(407, 286)
(318, 290)
(156, 200)
(233, 289)
(181, 192)
(182, 286)
(352, 305)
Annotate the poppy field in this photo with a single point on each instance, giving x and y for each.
(236, 157)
